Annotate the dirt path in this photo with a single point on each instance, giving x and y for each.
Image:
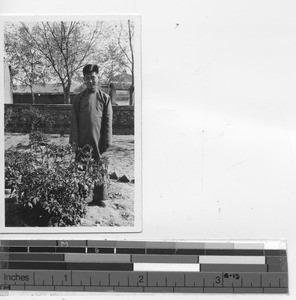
(119, 210)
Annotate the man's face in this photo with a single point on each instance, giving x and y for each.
(91, 81)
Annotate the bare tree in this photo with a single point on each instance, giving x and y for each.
(125, 42)
(62, 48)
(111, 61)
(26, 64)
(65, 45)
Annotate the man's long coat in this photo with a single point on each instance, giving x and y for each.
(91, 121)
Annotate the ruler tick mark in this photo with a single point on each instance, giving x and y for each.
(212, 281)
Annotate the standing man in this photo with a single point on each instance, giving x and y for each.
(91, 122)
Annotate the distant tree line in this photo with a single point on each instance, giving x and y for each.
(55, 52)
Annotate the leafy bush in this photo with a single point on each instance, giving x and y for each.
(51, 184)
(35, 120)
(16, 163)
(8, 117)
(38, 137)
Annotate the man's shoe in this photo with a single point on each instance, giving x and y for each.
(96, 203)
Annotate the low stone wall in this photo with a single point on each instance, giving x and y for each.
(123, 118)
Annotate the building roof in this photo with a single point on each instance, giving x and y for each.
(49, 88)
(121, 81)
(81, 87)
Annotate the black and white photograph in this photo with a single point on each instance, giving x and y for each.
(72, 123)
(148, 149)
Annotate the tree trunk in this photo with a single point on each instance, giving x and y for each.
(32, 94)
(112, 93)
(132, 88)
(132, 95)
(67, 96)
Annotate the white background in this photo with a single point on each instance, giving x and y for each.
(219, 120)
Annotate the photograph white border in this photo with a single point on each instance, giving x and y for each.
(137, 125)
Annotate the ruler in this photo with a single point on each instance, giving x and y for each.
(143, 266)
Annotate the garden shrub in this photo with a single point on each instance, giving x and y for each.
(16, 163)
(35, 120)
(8, 117)
(50, 184)
(38, 137)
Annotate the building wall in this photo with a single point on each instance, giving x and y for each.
(119, 97)
(40, 98)
(123, 118)
(56, 98)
